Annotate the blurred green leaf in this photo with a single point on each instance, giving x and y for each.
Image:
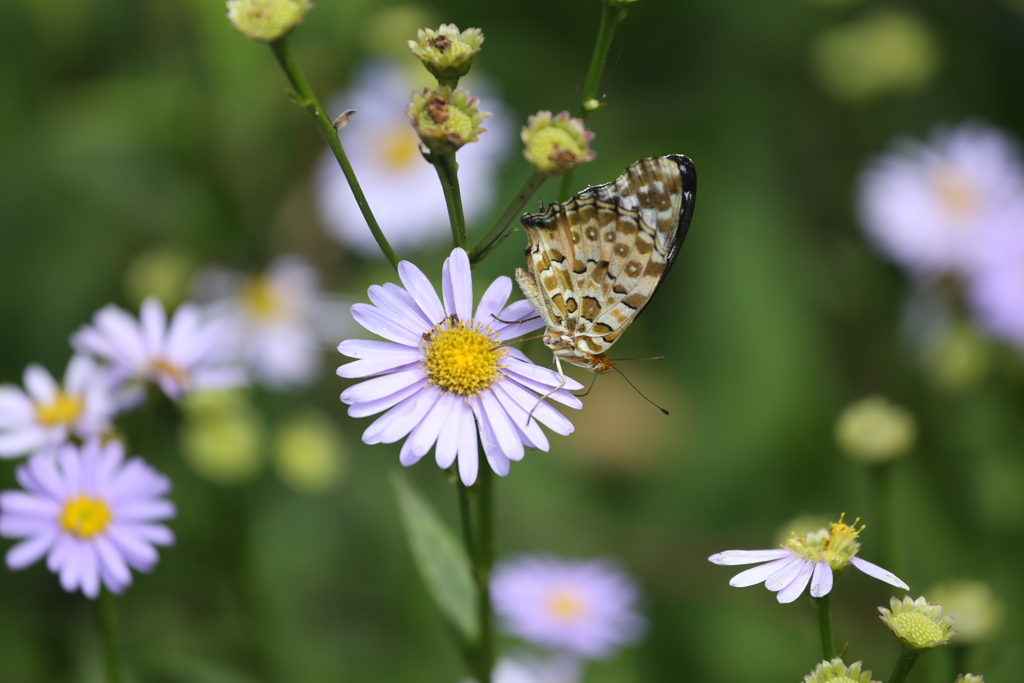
(440, 559)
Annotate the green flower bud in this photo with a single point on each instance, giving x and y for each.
(267, 20)
(918, 623)
(309, 454)
(837, 672)
(446, 120)
(555, 144)
(872, 431)
(975, 608)
(446, 53)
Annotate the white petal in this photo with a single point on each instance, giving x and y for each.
(15, 406)
(368, 367)
(457, 285)
(785, 574)
(534, 410)
(381, 387)
(41, 385)
(501, 427)
(121, 332)
(469, 455)
(733, 557)
(21, 442)
(821, 580)
(400, 331)
(397, 304)
(760, 574)
(796, 586)
(153, 318)
(529, 430)
(185, 342)
(371, 348)
(877, 572)
(448, 440)
(419, 287)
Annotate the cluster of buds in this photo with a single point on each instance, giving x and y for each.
(917, 623)
(837, 672)
(556, 144)
(445, 119)
(267, 20)
(447, 53)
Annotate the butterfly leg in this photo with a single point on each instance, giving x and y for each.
(561, 384)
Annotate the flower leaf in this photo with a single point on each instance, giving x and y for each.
(440, 558)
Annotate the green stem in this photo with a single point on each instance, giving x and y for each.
(828, 641)
(958, 653)
(484, 560)
(465, 513)
(610, 18)
(881, 488)
(448, 174)
(904, 664)
(107, 622)
(493, 238)
(305, 97)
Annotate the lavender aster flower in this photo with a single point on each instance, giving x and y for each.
(808, 558)
(443, 375)
(92, 514)
(996, 291)
(928, 206)
(587, 608)
(47, 414)
(189, 353)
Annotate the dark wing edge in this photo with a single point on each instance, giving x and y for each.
(689, 181)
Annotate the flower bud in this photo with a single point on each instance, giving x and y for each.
(918, 623)
(839, 673)
(446, 120)
(555, 144)
(873, 431)
(975, 608)
(309, 454)
(446, 53)
(969, 678)
(267, 20)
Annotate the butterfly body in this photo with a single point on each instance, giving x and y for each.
(595, 261)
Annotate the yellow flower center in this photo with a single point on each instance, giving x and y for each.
(399, 146)
(63, 410)
(462, 360)
(162, 366)
(85, 517)
(836, 545)
(566, 605)
(958, 194)
(259, 299)
(917, 628)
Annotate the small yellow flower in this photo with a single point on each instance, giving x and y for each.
(918, 623)
(837, 672)
(555, 144)
(873, 431)
(446, 52)
(445, 119)
(267, 20)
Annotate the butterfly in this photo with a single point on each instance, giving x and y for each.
(596, 260)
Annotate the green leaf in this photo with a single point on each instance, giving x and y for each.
(440, 558)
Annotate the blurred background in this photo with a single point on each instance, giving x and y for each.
(141, 142)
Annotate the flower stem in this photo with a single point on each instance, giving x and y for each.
(828, 642)
(484, 560)
(448, 174)
(107, 622)
(304, 96)
(904, 664)
(493, 238)
(610, 18)
(882, 484)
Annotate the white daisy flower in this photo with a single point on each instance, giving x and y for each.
(46, 414)
(401, 187)
(928, 206)
(586, 608)
(92, 514)
(189, 353)
(443, 375)
(280, 318)
(809, 558)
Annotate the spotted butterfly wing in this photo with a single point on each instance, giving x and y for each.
(596, 260)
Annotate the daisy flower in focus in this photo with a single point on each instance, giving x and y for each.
(586, 608)
(927, 206)
(399, 184)
(443, 376)
(186, 354)
(47, 414)
(996, 292)
(279, 318)
(527, 669)
(805, 559)
(93, 514)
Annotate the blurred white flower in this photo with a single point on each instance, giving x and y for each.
(280, 319)
(46, 414)
(996, 292)
(586, 608)
(930, 206)
(527, 669)
(188, 353)
(401, 187)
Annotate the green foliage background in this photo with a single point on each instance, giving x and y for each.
(131, 125)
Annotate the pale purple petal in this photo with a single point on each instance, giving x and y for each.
(153, 319)
(31, 550)
(367, 408)
(381, 387)
(457, 279)
(469, 455)
(505, 434)
(368, 367)
(424, 435)
(796, 586)
(821, 580)
(136, 552)
(760, 574)
(40, 384)
(785, 574)
(89, 571)
(184, 337)
(418, 285)
(15, 406)
(734, 557)
(877, 572)
(519, 318)
(493, 300)
(448, 440)
(111, 562)
(400, 420)
(20, 442)
(23, 504)
(395, 303)
(371, 348)
(529, 430)
(393, 330)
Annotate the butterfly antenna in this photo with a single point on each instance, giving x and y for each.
(587, 392)
(637, 390)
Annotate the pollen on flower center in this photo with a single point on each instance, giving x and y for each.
(259, 299)
(85, 517)
(566, 605)
(399, 147)
(836, 545)
(957, 193)
(64, 409)
(917, 628)
(462, 360)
